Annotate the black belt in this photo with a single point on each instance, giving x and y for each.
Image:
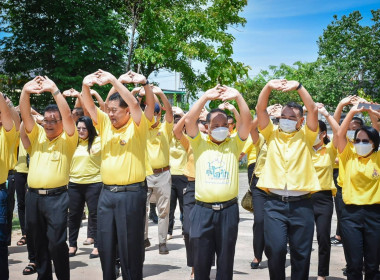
(127, 188)
(289, 198)
(11, 172)
(217, 206)
(54, 191)
(160, 170)
(3, 186)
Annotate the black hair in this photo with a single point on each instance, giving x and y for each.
(117, 96)
(52, 108)
(372, 133)
(216, 110)
(79, 111)
(295, 105)
(231, 118)
(323, 128)
(359, 120)
(90, 129)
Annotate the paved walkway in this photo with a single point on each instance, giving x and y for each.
(173, 266)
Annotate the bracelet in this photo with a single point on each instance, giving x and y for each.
(57, 92)
(299, 86)
(147, 83)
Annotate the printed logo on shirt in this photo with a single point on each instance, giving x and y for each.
(123, 142)
(375, 174)
(217, 173)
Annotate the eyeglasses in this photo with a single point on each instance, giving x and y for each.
(50, 122)
(81, 128)
(364, 141)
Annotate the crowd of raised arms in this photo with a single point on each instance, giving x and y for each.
(134, 155)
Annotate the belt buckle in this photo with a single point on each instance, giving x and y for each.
(217, 207)
(43, 192)
(285, 198)
(113, 189)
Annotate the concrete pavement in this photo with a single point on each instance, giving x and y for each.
(173, 265)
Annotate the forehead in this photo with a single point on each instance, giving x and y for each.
(81, 124)
(362, 134)
(114, 104)
(53, 114)
(218, 117)
(290, 112)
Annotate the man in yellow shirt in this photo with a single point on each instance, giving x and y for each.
(215, 216)
(7, 138)
(288, 177)
(121, 208)
(46, 202)
(159, 180)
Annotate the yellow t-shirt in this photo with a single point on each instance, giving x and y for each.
(261, 155)
(189, 170)
(158, 145)
(178, 156)
(323, 160)
(7, 140)
(216, 168)
(289, 163)
(85, 167)
(123, 150)
(250, 150)
(49, 165)
(361, 181)
(21, 166)
(13, 154)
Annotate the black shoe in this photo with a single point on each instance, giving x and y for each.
(73, 253)
(162, 249)
(344, 271)
(255, 265)
(146, 243)
(94, 256)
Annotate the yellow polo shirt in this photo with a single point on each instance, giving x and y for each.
(361, 181)
(189, 170)
(261, 155)
(123, 150)
(178, 156)
(158, 144)
(216, 168)
(289, 160)
(85, 166)
(13, 154)
(250, 150)
(7, 140)
(49, 165)
(323, 160)
(21, 166)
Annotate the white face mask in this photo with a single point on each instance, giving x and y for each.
(350, 134)
(317, 141)
(288, 126)
(363, 149)
(220, 133)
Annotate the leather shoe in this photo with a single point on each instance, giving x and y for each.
(255, 265)
(146, 243)
(162, 249)
(73, 253)
(94, 256)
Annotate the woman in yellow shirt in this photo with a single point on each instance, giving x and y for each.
(323, 156)
(360, 220)
(85, 183)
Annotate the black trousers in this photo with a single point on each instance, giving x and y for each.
(179, 183)
(214, 232)
(11, 204)
(78, 195)
(323, 211)
(338, 201)
(360, 226)
(46, 219)
(121, 223)
(21, 187)
(293, 221)
(4, 270)
(188, 204)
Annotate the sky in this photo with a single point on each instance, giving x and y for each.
(283, 31)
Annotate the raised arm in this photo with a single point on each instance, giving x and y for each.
(312, 116)
(98, 98)
(229, 93)
(6, 115)
(231, 108)
(169, 112)
(64, 109)
(339, 109)
(262, 102)
(192, 116)
(178, 128)
(332, 122)
(30, 87)
(14, 113)
(342, 131)
(24, 137)
(254, 132)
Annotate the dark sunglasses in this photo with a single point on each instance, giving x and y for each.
(364, 141)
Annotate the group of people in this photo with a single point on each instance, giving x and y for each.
(121, 155)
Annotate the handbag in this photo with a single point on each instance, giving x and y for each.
(246, 202)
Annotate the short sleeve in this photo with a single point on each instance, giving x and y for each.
(310, 135)
(194, 142)
(248, 145)
(268, 130)
(33, 135)
(347, 152)
(184, 142)
(102, 118)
